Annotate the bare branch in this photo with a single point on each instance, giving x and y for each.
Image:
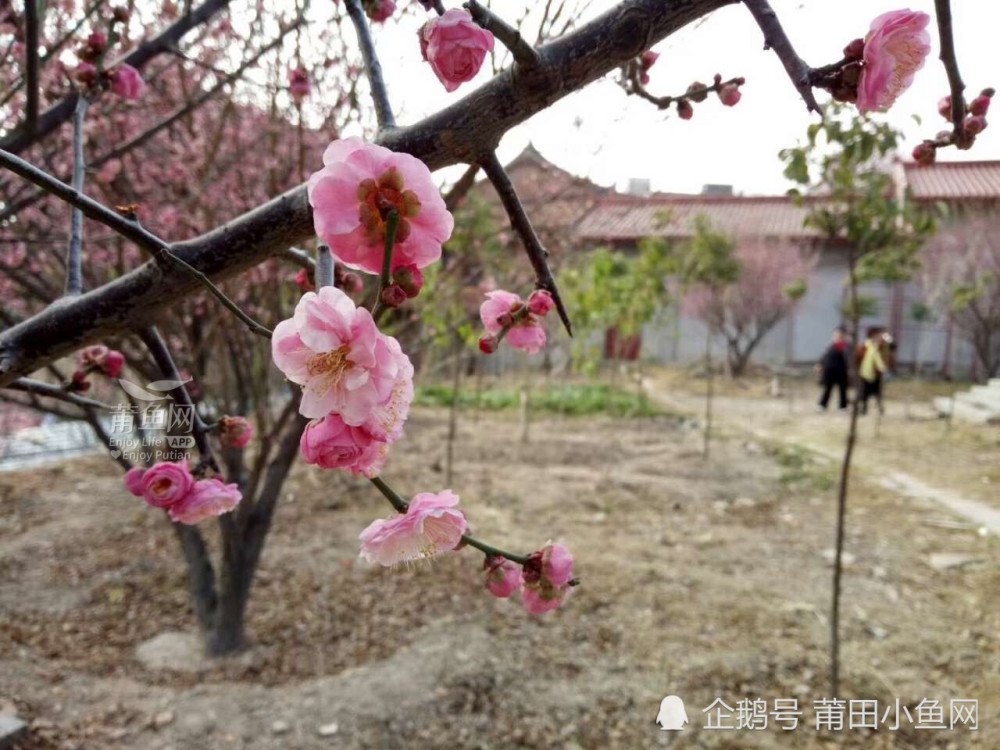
(41, 388)
(74, 254)
(383, 110)
(31, 23)
(943, 10)
(461, 188)
(521, 224)
(776, 39)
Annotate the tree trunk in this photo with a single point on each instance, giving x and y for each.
(709, 394)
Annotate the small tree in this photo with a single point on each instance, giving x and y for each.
(771, 279)
(961, 278)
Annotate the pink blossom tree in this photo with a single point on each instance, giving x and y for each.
(961, 278)
(771, 278)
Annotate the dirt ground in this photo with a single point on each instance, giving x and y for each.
(703, 579)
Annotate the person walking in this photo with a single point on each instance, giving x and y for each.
(832, 369)
(871, 367)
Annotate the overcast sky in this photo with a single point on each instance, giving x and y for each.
(609, 137)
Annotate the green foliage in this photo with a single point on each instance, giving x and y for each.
(867, 307)
(964, 295)
(579, 400)
(708, 259)
(920, 312)
(800, 470)
(795, 290)
(848, 159)
(614, 288)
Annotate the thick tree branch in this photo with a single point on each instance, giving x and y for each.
(521, 224)
(776, 39)
(373, 68)
(459, 133)
(59, 113)
(31, 24)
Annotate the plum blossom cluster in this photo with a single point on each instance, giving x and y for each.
(90, 74)
(357, 384)
(545, 580)
(171, 487)
(973, 123)
(96, 359)
(636, 77)
(506, 316)
(455, 46)
(880, 67)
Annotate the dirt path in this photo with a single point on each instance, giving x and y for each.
(824, 434)
(701, 579)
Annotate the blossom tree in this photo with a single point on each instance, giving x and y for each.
(771, 278)
(961, 277)
(370, 205)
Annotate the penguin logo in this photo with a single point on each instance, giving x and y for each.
(672, 715)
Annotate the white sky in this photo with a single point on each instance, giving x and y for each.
(609, 137)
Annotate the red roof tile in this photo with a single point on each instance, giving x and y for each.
(631, 218)
(956, 180)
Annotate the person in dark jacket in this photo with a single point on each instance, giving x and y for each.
(832, 370)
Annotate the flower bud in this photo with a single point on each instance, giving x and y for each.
(488, 344)
(540, 302)
(120, 14)
(393, 296)
(79, 383)
(85, 74)
(975, 124)
(717, 79)
(235, 432)
(944, 107)
(855, 50)
(925, 153)
(729, 95)
(113, 363)
(506, 320)
(379, 10)
(699, 87)
(305, 280)
(684, 109)
(503, 577)
(648, 58)
(980, 105)
(96, 45)
(410, 279)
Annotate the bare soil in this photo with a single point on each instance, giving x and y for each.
(704, 579)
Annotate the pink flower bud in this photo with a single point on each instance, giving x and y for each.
(380, 10)
(304, 279)
(349, 282)
(126, 82)
(95, 46)
(540, 302)
(393, 295)
(298, 84)
(648, 59)
(503, 577)
(85, 74)
(113, 363)
(79, 382)
(410, 279)
(235, 432)
(730, 95)
(697, 86)
(488, 344)
(975, 125)
(980, 105)
(684, 109)
(455, 46)
(855, 50)
(944, 107)
(925, 153)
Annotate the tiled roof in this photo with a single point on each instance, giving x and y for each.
(956, 180)
(632, 219)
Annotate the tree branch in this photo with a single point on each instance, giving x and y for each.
(459, 133)
(59, 113)
(521, 224)
(41, 388)
(31, 24)
(383, 110)
(776, 39)
(942, 9)
(74, 254)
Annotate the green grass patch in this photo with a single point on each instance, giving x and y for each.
(574, 400)
(800, 469)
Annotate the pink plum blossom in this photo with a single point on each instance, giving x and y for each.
(335, 352)
(541, 303)
(162, 485)
(547, 576)
(431, 525)
(235, 432)
(114, 363)
(895, 49)
(646, 61)
(503, 577)
(353, 193)
(100, 358)
(502, 307)
(126, 82)
(331, 444)
(455, 46)
(208, 498)
(380, 10)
